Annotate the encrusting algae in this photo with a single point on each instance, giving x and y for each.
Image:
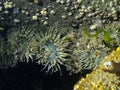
(105, 77)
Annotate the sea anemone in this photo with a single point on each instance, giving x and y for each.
(20, 42)
(86, 52)
(53, 50)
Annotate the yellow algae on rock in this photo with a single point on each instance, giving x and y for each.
(118, 49)
(105, 77)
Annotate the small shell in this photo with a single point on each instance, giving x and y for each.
(57, 1)
(108, 64)
(52, 12)
(35, 17)
(36, 1)
(63, 16)
(92, 27)
(45, 23)
(62, 2)
(44, 12)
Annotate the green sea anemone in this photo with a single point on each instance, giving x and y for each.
(53, 50)
(20, 42)
(87, 52)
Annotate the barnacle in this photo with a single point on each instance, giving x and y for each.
(53, 50)
(21, 42)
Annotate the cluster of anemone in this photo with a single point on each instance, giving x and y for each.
(56, 47)
(48, 48)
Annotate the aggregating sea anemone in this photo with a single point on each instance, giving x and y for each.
(20, 42)
(87, 52)
(51, 47)
(53, 50)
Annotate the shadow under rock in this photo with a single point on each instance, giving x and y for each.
(27, 76)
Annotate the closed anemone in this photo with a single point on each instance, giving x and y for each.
(53, 50)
